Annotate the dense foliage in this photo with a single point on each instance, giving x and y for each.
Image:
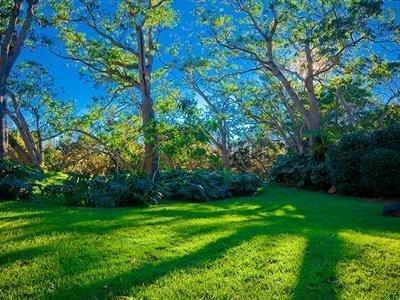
(300, 170)
(17, 180)
(366, 162)
(361, 163)
(200, 186)
(380, 172)
(106, 191)
(344, 160)
(130, 190)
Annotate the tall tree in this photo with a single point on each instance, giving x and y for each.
(118, 44)
(212, 87)
(13, 34)
(299, 43)
(35, 110)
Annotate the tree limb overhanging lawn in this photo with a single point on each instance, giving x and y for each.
(283, 243)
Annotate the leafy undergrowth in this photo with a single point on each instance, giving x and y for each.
(282, 243)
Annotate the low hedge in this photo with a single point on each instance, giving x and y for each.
(129, 190)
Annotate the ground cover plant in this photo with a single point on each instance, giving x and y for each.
(125, 189)
(282, 243)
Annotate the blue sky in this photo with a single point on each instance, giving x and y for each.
(78, 88)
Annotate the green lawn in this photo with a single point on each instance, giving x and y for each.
(283, 243)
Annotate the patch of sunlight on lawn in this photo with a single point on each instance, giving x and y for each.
(370, 266)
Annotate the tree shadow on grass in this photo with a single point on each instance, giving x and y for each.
(316, 279)
(152, 271)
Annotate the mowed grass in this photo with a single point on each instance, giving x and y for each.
(282, 243)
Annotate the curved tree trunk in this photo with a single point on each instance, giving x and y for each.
(32, 150)
(11, 45)
(20, 152)
(3, 125)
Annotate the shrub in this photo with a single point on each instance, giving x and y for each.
(244, 184)
(388, 138)
(290, 170)
(74, 189)
(17, 180)
(197, 186)
(344, 160)
(129, 190)
(103, 191)
(141, 191)
(107, 191)
(300, 170)
(9, 167)
(380, 172)
(352, 160)
(319, 176)
(13, 188)
(201, 185)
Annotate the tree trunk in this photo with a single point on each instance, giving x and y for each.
(168, 161)
(20, 152)
(314, 112)
(3, 124)
(314, 124)
(150, 136)
(26, 135)
(11, 45)
(226, 158)
(148, 116)
(312, 115)
(225, 151)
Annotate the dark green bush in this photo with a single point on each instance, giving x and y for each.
(290, 170)
(380, 172)
(201, 185)
(130, 190)
(300, 170)
(344, 160)
(141, 191)
(74, 188)
(103, 191)
(244, 184)
(13, 188)
(17, 180)
(196, 186)
(319, 176)
(350, 169)
(107, 191)
(9, 167)
(388, 138)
